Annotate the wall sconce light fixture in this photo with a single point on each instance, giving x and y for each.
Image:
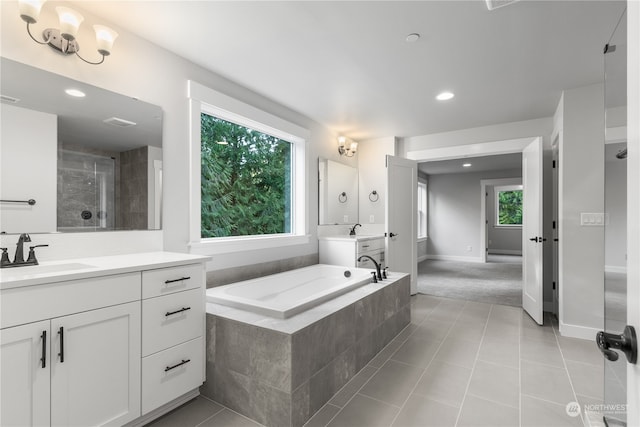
(64, 39)
(346, 150)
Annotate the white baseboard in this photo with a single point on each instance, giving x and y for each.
(422, 258)
(455, 258)
(504, 252)
(615, 269)
(576, 331)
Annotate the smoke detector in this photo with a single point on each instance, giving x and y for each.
(495, 4)
(121, 123)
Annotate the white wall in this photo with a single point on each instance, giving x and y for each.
(580, 120)
(28, 159)
(141, 69)
(454, 214)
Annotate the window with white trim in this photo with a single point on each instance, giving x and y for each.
(248, 175)
(422, 209)
(508, 200)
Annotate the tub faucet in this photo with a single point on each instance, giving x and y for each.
(378, 273)
(353, 230)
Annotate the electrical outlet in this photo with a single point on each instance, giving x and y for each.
(469, 248)
(372, 219)
(346, 218)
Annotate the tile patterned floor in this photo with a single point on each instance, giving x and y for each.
(459, 363)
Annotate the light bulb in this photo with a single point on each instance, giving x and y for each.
(70, 21)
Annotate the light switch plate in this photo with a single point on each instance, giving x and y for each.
(593, 219)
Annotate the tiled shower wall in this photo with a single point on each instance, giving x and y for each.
(281, 379)
(133, 209)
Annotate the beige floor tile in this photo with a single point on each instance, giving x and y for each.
(496, 382)
(420, 411)
(351, 388)
(480, 412)
(416, 352)
(444, 383)
(540, 413)
(501, 352)
(458, 352)
(363, 411)
(191, 413)
(226, 418)
(587, 380)
(578, 350)
(392, 383)
(541, 351)
(546, 382)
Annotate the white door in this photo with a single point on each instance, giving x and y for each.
(532, 238)
(95, 377)
(402, 216)
(24, 368)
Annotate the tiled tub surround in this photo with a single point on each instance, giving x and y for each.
(279, 372)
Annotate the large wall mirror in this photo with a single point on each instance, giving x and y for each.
(338, 193)
(89, 160)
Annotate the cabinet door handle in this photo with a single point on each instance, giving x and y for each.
(184, 361)
(166, 282)
(44, 349)
(170, 313)
(61, 354)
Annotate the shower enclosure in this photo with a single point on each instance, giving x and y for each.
(86, 191)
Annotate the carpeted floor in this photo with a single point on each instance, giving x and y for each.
(498, 282)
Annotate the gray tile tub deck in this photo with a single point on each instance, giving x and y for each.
(280, 375)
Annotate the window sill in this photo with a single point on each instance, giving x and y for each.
(225, 245)
(507, 227)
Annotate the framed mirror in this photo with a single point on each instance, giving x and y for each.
(337, 192)
(75, 157)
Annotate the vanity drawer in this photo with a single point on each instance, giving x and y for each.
(365, 246)
(33, 303)
(165, 281)
(171, 373)
(171, 319)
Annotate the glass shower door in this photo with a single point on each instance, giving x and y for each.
(615, 283)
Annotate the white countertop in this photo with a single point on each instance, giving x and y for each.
(83, 268)
(356, 238)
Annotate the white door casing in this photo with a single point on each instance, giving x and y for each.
(532, 238)
(401, 213)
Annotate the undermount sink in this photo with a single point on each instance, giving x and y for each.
(47, 268)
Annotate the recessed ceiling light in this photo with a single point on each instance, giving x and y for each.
(466, 165)
(75, 92)
(412, 38)
(444, 96)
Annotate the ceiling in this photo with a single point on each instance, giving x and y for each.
(346, 64)
(478, 164)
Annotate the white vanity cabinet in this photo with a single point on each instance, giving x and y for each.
(82, 368)
(105, 349)
(345, 250)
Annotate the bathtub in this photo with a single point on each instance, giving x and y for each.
(286, 294)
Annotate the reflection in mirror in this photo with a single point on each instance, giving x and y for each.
(338, 193)
(91, 162)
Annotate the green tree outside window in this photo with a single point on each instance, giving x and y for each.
(510, 207)
(245, 182)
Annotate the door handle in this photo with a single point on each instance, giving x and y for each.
(392, 234)
(626, 343)
(534, 239)
(538, 239)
